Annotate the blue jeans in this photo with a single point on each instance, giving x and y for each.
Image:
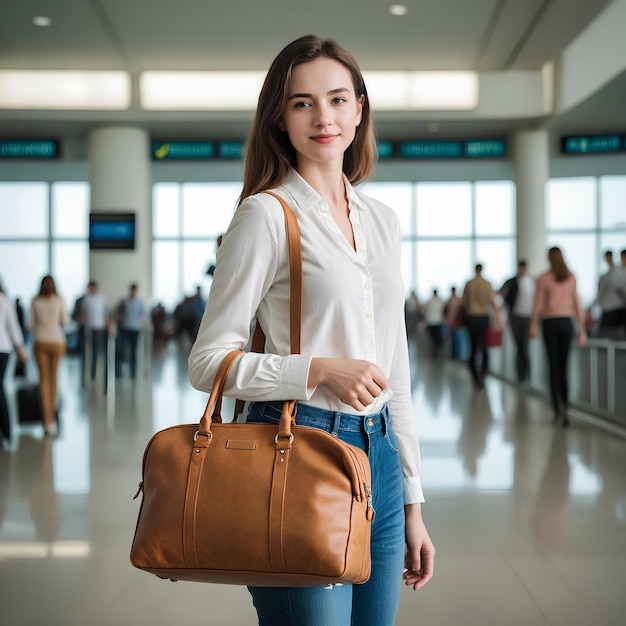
(374, 603)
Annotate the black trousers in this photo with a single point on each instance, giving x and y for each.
(557, 336)
(520, 327)
(476, 327)
(5, 424)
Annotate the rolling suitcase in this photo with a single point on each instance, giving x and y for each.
(29, 408)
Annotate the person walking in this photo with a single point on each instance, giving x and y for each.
(95, 317)
(131, 318)
(478, 299)
(519, 295)
(610, 298)
(311, 141)
(434, 318)
(556, 303)
(11, 338)
(47, 317)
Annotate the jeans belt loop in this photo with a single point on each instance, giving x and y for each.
(336, 422)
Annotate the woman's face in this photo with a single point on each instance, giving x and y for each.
(322, 111)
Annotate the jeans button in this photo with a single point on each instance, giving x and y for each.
(370, 422)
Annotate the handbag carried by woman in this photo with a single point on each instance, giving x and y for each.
(255, 504)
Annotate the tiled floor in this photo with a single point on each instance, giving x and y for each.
(529, 521)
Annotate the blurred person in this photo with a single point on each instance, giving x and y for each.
(453, 303)
(611, 299)
(622, 268)
(434, 318)
(21, 319)
(556, 303)
(131, 319)
(11, 338)
(412, 313)
(95, 317)
(478, 300)
(518, 293)
(48, 316)
(311, 141)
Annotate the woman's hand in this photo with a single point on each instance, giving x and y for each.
(420, 556)
(533, 333)
(582, 337)
(22, 354)
(355, 382)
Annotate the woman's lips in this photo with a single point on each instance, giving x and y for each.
(324, 138)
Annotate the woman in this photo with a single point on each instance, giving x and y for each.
(10, 337)
(48, 315)
(311, 141)
(556, 302)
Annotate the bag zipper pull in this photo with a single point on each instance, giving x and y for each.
(138, 490)
(371, 513)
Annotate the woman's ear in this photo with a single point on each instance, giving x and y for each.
(359, 108)
(281, 126)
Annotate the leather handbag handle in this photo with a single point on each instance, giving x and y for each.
(212, 412)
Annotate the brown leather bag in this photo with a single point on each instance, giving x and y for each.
(255, 504)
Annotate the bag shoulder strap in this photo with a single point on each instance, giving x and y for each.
(295, 288)
(295, 273)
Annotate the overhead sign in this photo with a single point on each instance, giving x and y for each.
(593, 144)
(28, 149)
(473, 149)
(183, 150)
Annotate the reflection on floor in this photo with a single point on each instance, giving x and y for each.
(529, 521)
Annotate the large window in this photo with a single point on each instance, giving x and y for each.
(449, 227)
(585, 217)
(43, 230)
(187, 220)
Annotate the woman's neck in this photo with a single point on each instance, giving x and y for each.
(328, 182)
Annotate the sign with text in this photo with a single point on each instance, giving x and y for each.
(593, 144)
(28, 149)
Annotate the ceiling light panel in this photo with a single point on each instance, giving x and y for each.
(200, 91)
(422, 91)
(65, 90)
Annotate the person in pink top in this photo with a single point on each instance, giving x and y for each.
(556, 303)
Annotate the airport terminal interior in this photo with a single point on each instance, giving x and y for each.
(113, 119)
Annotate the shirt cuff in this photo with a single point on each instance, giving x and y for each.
(412, 490)
(293, 377)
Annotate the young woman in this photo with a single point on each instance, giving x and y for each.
(48, 315)
(556, 303)
(311, 141)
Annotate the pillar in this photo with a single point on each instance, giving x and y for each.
(530, 151)
(120, 178)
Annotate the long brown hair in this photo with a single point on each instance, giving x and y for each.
(48, 288)
(269, 154)
(558, 265)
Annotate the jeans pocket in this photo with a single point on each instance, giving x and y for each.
(391, 439)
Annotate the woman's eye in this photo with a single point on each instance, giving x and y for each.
(301, 105)
(338, 100)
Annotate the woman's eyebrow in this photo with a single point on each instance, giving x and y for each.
(309, 95)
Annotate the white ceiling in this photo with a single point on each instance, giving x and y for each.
(136, 35)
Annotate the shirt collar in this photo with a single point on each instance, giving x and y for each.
(307, 198)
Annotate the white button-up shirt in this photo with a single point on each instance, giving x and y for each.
(353, 307)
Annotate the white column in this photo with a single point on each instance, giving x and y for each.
(120, 177)
(530, 149)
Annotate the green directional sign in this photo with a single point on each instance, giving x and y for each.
(431, 149)
(28, 149)
(591, 144)
(183, 150)
(484, 148)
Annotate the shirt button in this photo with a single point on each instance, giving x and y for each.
(370, 422)
(357, 226)
(368, 286)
